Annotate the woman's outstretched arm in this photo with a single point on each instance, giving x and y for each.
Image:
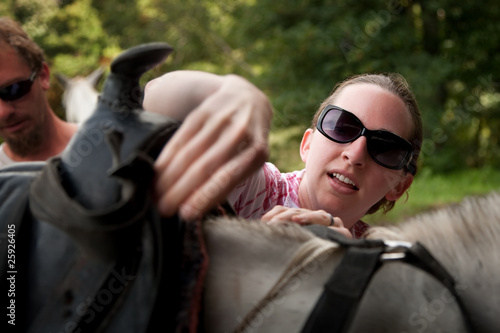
(222, 140)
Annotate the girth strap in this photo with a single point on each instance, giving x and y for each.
(304, 256)
(343, 291)
(420, 257)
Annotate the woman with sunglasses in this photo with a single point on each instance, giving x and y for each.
(360, 153)
(30, 129)
(357, 161)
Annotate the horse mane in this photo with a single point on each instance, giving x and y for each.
(463, 233)
(282, 231)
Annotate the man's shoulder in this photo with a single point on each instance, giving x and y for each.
(22, 168)
(17, 177)
(4, 159)
(15, 181)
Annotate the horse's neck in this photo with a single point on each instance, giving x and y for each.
(245, 265)
(465, 238)
(403, 298)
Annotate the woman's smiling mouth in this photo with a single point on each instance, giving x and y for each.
(343, 179)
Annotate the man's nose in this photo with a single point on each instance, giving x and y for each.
(6, 108)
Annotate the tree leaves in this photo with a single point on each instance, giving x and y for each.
(296, 51)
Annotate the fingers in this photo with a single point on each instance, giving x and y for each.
(280, 214)
(183, 163)
(220, 184)
(220, 143)
(336, 222)
(205, 170)
(317, 217)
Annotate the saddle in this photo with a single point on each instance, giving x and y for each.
(86, 250)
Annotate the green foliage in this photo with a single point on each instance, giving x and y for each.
(296, 51)
(431, 191)
(33, 14)
(284, 145)
(307, 46)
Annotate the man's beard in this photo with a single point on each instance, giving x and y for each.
(27, 144)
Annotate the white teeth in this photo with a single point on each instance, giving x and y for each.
(343, 179)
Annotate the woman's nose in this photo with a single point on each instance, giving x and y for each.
(356, 152)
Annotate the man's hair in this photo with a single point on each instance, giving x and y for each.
(13, 35)
(396, 84)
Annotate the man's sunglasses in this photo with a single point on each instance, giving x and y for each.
(17, 90)
(385, 148)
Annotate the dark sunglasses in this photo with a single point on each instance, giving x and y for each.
(385, 148)
(17, 90)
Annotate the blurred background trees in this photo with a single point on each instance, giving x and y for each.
(296, 51)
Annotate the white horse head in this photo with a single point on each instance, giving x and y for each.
(80, 96)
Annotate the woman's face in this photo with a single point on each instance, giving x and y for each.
(343, 179)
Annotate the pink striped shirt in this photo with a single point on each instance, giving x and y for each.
(269, 187)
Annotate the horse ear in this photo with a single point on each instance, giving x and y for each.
(62, 79)
(94, 77)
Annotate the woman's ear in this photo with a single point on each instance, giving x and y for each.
(305, 144)
(400, 188)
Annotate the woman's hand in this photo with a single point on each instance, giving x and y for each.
(280, 214)
(222, 140)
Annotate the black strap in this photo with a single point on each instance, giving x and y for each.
(337, 305)
(420, 257)
(342, 293)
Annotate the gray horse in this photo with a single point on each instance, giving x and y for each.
(268, 278)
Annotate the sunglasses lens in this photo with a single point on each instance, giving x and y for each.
(388, 150)
(341, 126)
(16, 90)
